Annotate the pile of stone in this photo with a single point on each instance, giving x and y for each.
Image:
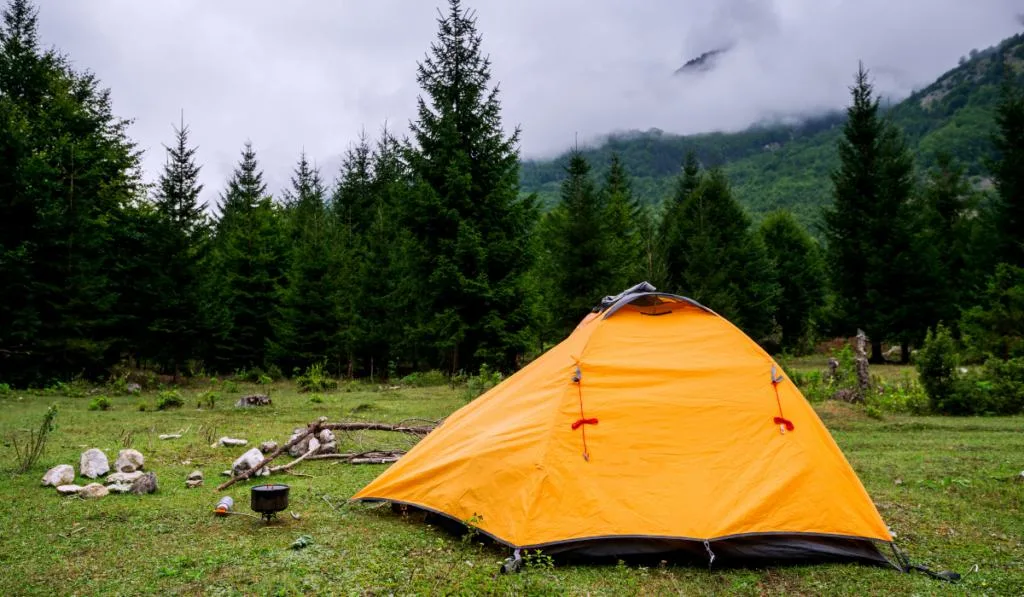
(127, 475)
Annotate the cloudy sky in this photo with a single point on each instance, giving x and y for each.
(310, 74)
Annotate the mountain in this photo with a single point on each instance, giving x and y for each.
(784, 165)
(705, 62)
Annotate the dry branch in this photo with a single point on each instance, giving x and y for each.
(314, 428)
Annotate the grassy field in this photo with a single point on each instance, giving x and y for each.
(944, 485)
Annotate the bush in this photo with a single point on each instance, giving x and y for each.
(316, 399)
(936, 364)
(100, 403)
(423, 379)
(477, 385)
(208, 399)
(315, 379)
(169, 399)
(5, 390)
(905, 396)
(1006, 379)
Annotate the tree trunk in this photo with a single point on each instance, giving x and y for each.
(877, 358)
(904, 352)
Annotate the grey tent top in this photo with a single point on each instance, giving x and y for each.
(645, 295)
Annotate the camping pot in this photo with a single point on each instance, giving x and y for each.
(269, 499)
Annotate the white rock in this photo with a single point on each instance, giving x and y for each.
(94, 463)
(329, 448)
(119, 487)
(195, 475)
(230, 442)
(94, 490)
(62, 474)
(248, 461)
(313, 446)
(128, 478)
(268, 447)
(170, 436)
(193, 483)
(69, 489)
(129, 461)
(300, 448)
(326, 436)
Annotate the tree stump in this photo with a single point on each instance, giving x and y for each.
(861, 360)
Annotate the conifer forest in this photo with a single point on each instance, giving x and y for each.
(438, 250)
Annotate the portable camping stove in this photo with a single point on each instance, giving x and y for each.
(269, 499)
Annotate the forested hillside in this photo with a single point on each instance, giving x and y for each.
(786, 166)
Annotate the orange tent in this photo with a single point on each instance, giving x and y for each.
(657, 426)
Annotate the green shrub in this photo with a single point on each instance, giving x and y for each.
(169, 399)
(476, 385)
(5, 390)
(424, 379)
(1007, 386)
(316, 379)
(143, 407)
(936, 364)
(264, 380)
(316, 399)
(904, 396)
(100, 403)
(208, 399)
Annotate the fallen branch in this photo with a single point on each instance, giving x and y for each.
(285, 467)
(314, 428)
(399, 428)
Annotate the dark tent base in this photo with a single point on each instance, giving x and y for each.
(750, 550)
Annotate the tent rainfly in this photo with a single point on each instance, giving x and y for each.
(656, 427)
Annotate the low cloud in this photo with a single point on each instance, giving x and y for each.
(310, 75)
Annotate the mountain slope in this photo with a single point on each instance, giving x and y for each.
(786, 166)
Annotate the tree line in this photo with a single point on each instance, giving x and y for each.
(422, 252)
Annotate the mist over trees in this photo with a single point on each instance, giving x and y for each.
(425, 252)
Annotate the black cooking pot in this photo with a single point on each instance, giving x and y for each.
(269, 499)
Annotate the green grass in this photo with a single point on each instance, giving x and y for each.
(955, 507)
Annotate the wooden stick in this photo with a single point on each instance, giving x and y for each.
(310, 429)
(422, 430)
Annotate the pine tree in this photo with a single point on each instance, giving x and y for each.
(800, 274)
(621, 226)
(717, 260)
(248, 257)
(469, 224)
(869, 228)
(577, 258)
(176, 331)
(670, 236)
(945, 245)
(308, 321)
(1008, 173)
(68, 174)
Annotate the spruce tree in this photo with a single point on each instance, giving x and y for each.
(945, 245)
(247, 257)
(176, 331)
(577, 257)
(68, 174)
(469, 224)
(800, 274)
(869, 227)
(308, 321)
(1008, 174)
(717, 260)
(622, 227)
(670, 262)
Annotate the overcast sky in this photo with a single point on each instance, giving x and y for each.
(310, 74)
